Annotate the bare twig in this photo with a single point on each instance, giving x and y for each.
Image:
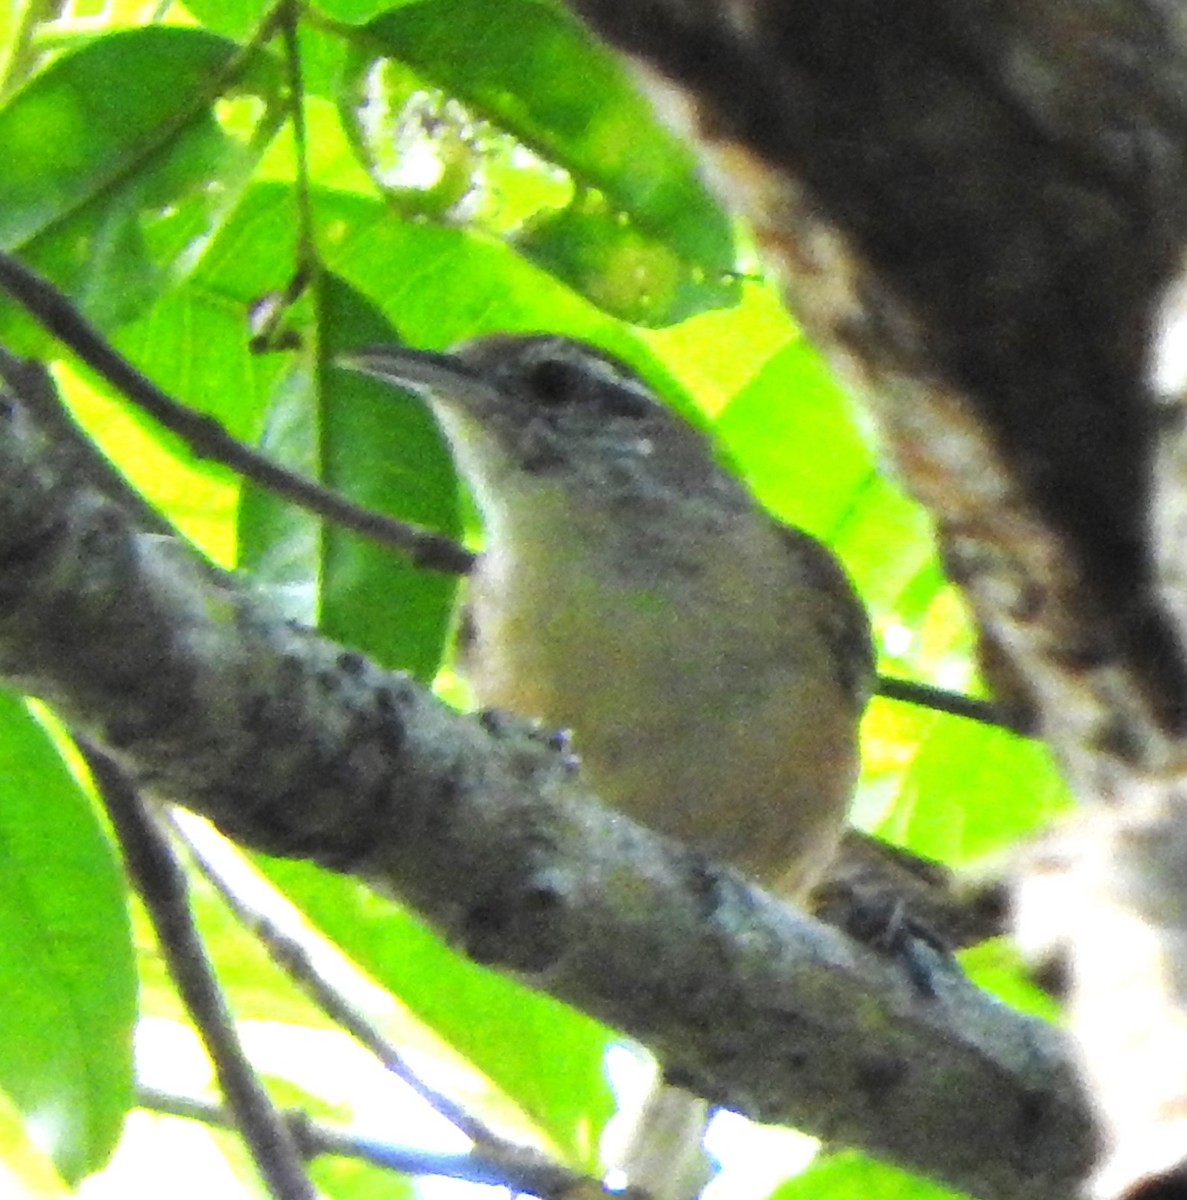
(941, 700)
(207, 438)
(162, 886)
(544, 1179)
(318, 969)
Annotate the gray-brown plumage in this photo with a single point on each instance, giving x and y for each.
(712, 663)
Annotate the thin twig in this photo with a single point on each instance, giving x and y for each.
(941, 700)
(307, 255)
(207, 438)
(543, 1178)
(162, 886)
(265, 912)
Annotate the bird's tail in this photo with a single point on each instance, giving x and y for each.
(664, 1154)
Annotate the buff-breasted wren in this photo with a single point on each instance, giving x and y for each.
(711, 663)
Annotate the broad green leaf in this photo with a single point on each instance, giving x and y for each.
(620, 267)
(546, 1057)
(972, 790)
(379, 447)
(193, 343)
(136, 152)
(792, 433)
(100, 131)
(438, 285)
(538, 136)
(791, 430)
(848, 1175)
(66, 970)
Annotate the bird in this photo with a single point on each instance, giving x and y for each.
(710, 663)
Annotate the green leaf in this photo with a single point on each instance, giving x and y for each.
(538, 136)
(381, 449)
(192, 342)
(130, 165)
(972, 789)
(439, 286)
(617, 265)
(66, 967)
(547, 1058)
(791, 431)
(848, 1175)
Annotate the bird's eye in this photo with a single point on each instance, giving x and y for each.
(555, 382)
(592, 382)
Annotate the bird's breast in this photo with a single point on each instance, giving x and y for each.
(698, 704)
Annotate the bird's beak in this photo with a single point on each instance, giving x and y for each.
(430, 372)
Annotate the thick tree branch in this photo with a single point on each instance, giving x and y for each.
(300, 747)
